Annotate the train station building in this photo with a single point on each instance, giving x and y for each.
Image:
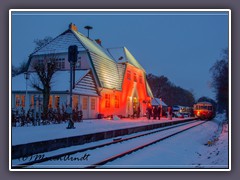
(107, 81)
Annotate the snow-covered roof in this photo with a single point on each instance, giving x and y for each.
(157, 102)
(104, 65)
(84, 82)
(60, 44)
(107, 72)
(131, 59)
(122, 54)
(92, 45)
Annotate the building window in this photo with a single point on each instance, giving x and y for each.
(140, 80)
(23, 100)
(85, 103)
(107, 100)
(93, 103)
(57, 101)
(20, 100)
(129, 75)
(60, 63)
(50, 102)
(75, 102)
(116, 101)
(135, 77)
(32, 101)
(17, 97)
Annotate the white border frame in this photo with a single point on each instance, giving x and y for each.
(116, 10)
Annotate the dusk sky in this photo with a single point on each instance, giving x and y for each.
(182, 46)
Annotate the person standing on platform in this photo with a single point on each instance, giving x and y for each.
(138, 111)
(155, 111)
(149, 112)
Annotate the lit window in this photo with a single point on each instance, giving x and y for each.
(20, 100)
(23, 100)
(116, 101)
(57, 101)
(135, 77)
(93, 103)
(75, 101)
(50, 102)
(140, 79)
(129, 75)
(32, 101)
(107, 100)
(17, 97)
(85, 103)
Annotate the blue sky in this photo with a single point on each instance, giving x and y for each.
(182, 46)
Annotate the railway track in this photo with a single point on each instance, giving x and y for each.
(110, 159)
(115, 141)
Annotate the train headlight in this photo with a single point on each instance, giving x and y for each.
(198, 113)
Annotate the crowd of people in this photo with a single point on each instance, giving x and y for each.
(156, 112)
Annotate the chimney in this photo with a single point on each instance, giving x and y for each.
(99, 41)
(73, 27)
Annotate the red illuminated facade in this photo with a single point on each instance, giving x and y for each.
(133, 94)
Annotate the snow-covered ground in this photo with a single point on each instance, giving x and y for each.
(205, 146)
(23, 135)
(187, 150)
(105, 152)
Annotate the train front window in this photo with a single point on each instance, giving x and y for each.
(203, 107)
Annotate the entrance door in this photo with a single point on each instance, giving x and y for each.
(135, 104)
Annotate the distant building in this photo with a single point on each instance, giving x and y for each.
(108, 81)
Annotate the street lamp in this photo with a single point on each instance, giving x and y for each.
(26, 76)
(88, 28)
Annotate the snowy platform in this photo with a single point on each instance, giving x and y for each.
(36, 139)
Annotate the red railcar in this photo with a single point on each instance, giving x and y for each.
(204, 110)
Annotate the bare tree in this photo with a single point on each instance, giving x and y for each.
(220, 81)
(19, 69)
(42, 42)
(45, 71)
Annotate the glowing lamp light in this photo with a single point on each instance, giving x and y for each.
(198, 113)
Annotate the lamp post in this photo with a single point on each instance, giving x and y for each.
(88, 28)
(26, 76)
(72, 58)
